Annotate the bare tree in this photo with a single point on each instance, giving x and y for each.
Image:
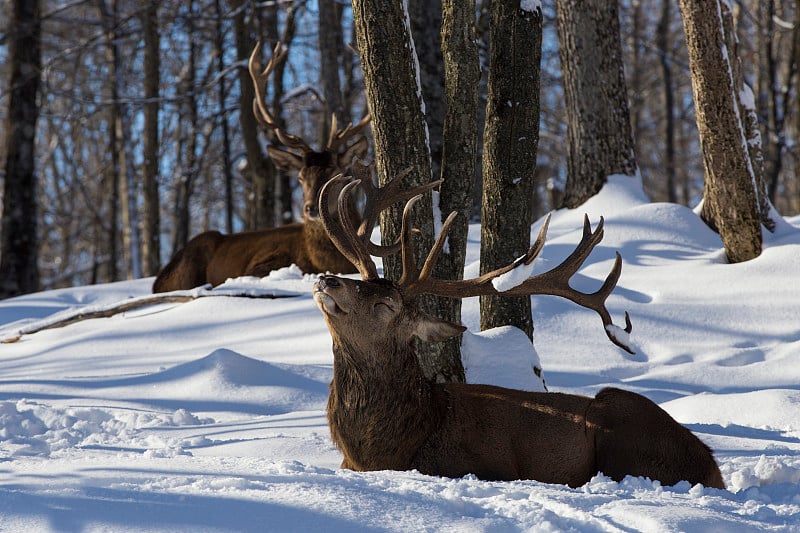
(749, 118)
(389, 63)
(426, 26)
(730, 202)
(663, 41)
(151, 224)
(258, 168)
(330, 51)
(19, 273)
(510, 140)
(599, 140)
(459, 140)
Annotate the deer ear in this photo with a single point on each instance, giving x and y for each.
(284, 159)
(357, 149)
(431, 329)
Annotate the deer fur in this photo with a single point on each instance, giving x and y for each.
(212, 257)
(384, 414)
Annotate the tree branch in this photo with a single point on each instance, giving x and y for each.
(108, 310)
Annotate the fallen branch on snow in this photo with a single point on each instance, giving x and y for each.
(65, 318)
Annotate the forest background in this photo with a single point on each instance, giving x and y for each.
(107, 64)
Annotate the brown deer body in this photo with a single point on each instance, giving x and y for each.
(384, 414)
(212, 257)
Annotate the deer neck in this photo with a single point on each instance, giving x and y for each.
(380, 406)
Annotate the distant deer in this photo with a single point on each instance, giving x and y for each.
(384, 414)
(212, 257)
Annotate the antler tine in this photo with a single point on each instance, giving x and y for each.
(365, 264)
(381, 198)
(260, 107)
(337, 137)
(433, 255)
(554, 282)
(410, 276)
(340, 229)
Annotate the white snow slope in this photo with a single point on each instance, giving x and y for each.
(209, 415)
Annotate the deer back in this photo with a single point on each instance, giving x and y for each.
(503, 434)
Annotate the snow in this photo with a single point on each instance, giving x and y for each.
(531, 6)
(209, 415)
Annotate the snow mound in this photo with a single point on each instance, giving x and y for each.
(502, 356)
(267, 388)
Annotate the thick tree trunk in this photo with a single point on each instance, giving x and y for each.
(19, 273)
(510, 140)
(749, 118)
(459, 139)
(389, 63)
(730, 204)
(599, 140)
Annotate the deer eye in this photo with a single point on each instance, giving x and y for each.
(384, 306)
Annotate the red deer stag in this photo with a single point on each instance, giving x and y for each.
(212, 257)
(384, 414)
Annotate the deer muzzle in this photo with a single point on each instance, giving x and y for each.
(327, 295)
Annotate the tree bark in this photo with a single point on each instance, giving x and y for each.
(19, 272)
(730, 203)
(749, 118)
(599, 140)
(151, 219)
(258, 170)
(459, 139)
(330, 46)
(426, 27)
(663, 36)
(511, 137)
(389, 64)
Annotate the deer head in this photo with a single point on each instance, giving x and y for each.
(375, 306)
(314, 168)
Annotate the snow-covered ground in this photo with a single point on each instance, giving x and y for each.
(209, 415)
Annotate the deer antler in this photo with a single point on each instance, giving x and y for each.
(260, 108)
(338, 137)
(355, 243)
(554, 282)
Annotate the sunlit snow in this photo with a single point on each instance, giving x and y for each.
(209, 415)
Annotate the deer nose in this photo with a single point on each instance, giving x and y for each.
(329, 281)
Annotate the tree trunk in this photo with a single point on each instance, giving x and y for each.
(109, 247)
(258, 168)
(459, 138)
(599, 140)
(730, 204)
(19, 273)
(511, 137)
(426, 27)
(663, 36)
(151, 223)
(398, 124)
(749, 118)
(330, 46)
